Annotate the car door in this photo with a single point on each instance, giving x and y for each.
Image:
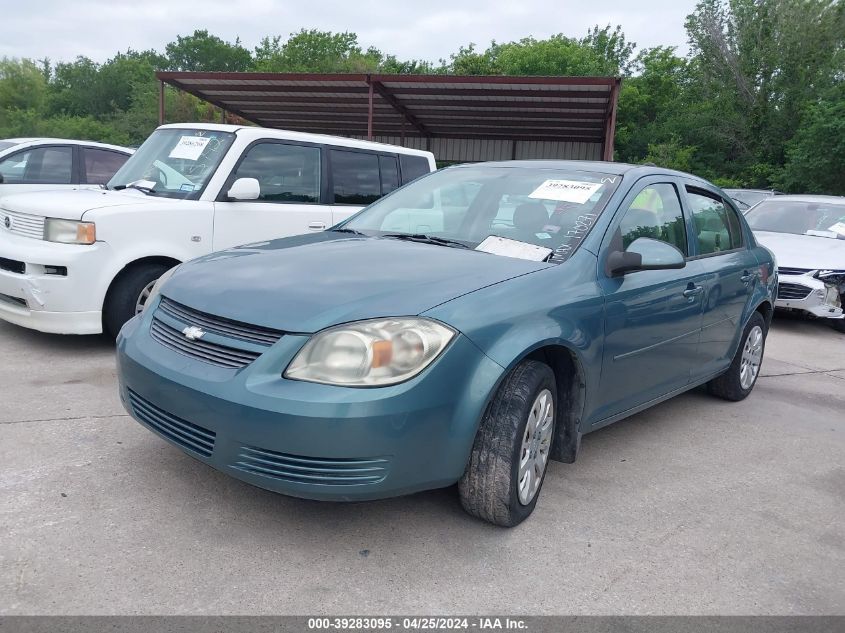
(652, 317)
(359, 178)
(38, 168)
(291, 199)
(732, 273)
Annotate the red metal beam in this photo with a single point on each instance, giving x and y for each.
(370, 113)
(610, 127)
(411, 118)
(161, 103)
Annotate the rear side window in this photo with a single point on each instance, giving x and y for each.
(285, 172)
(355, 176)
(389, 166)
(42, 165)
(101, 164)
(413, 167)
(717, 227)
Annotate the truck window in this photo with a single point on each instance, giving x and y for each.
(413, 167)
(355, 177)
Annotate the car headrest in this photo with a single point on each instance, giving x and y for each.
(531, 217)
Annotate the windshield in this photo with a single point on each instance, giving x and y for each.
(550, 208)
(798, 218)
(174, 163)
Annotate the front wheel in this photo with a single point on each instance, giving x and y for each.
(128, 295)
(508, 462)
(739, 379)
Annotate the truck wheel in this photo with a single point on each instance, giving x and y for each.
(128, 295)
(738, 381)
(508, 462)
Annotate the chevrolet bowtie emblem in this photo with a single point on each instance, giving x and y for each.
(193, 333)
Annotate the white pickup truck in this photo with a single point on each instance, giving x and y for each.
(84, 261)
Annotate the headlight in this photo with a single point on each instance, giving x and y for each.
(370, 353)
(156, 290)
(69, 231)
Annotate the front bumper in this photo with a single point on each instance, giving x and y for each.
(51, 287)
(304, 439)
(808, 294)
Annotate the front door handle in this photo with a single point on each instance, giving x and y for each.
(692, 292)
(317, 226)
(746, 277)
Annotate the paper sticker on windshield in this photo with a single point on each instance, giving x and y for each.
(838, 228)
(189, 147)
(566, 190)
(513, 248)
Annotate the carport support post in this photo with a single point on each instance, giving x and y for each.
(370, 111)
(161, 103)
(610, 123)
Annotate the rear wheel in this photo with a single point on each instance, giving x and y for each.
(128, 295)
(738, 381)
(511, 452)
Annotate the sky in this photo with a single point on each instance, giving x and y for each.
(423, 29)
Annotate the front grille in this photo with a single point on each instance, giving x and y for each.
(220, 325)
(187, 435)
(212, 353)
(22, 224)
(793, 291)
(793, 271)
(311, 470)
(12, 266)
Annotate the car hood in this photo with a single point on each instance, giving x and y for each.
(309, 282)
(71, 204)
(804, 251)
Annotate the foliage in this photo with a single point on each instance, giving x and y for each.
(758, 101)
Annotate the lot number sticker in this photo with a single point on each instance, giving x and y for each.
(189, 147)
(566, 191)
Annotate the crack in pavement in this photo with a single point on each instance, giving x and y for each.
(69, 418)
(803, 373)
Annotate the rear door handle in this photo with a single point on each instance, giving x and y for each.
(692, 292)
(746, 277)
(317, 226)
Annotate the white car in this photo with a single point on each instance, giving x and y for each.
(34, 164)
(81, 262)
(807, 236)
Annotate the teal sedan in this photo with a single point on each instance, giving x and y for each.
(467, 328)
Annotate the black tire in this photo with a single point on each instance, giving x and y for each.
(123, 295)
(728, 385)
(489, 486)
(838, 325)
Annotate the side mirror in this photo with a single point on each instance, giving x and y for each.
(244, 189)
(645, 253)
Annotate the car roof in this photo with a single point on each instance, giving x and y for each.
(812, 198)
(606, 167)
(63, 141)
(256, 132)
(768, 192)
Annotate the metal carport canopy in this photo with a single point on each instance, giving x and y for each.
(459, 118)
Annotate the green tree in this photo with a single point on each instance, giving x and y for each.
(22, 85)
(202, 51)
(316, 51)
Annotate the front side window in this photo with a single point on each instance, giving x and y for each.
(101, 164)
(355, 177)
(41, 165)
(174, 162)
(715, 229)
(551, 208)
(656, 213)
(285, 172)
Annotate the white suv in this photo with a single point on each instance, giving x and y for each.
(81, 262)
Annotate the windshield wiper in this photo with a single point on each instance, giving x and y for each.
(426, 239)
(141, 188)
(343, 230)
